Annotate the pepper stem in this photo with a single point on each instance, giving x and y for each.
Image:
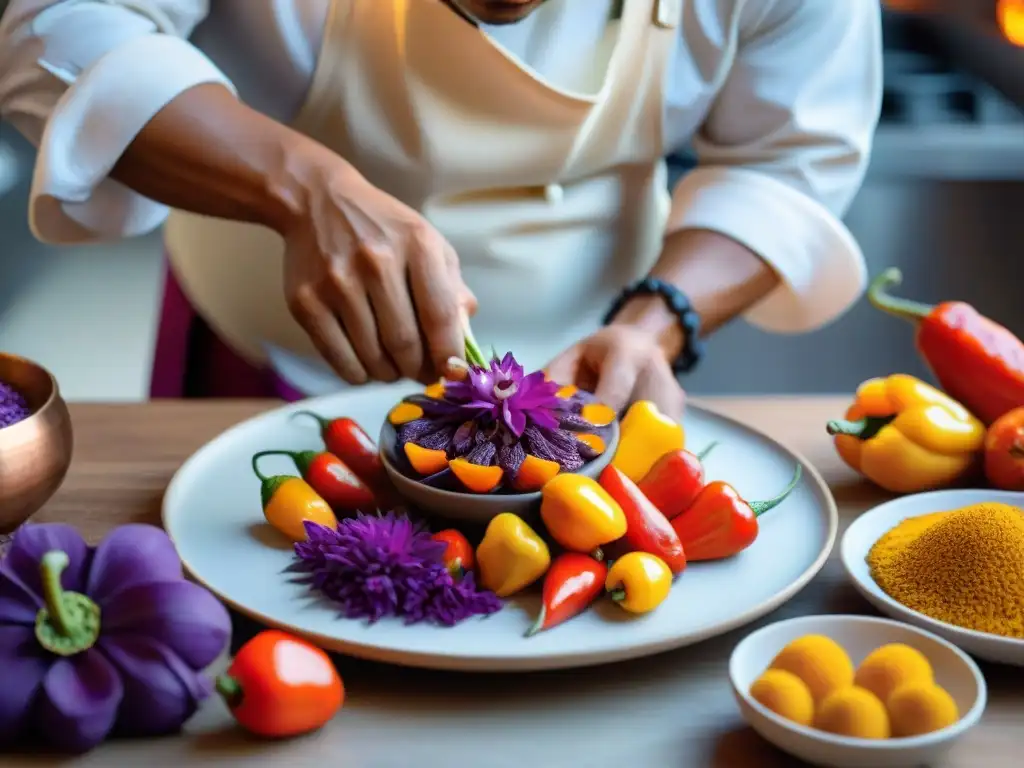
(229, 689)
(302, 459)
(256, 466)
(324, 423)
(862, 429)
(618, 594)
(710, 447)
(69, 622)
(538, 625)
(760, 507)
(912, 311)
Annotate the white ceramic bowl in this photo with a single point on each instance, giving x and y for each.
(859, 635)
(872, 525)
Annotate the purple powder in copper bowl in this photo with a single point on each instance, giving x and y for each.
(13, 407)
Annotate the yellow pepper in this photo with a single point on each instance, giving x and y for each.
(580, 514)
(511, 555)
(646, 434)
(639, 582)
(288, 502)
(906, 436)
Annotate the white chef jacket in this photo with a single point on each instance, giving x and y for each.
(798, 108)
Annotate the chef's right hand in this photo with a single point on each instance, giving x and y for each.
(376, 287)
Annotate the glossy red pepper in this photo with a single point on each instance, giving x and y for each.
(349, 442)
(573, 582)
(278, 686)
(459, 556)
(675, 480)
(647, 530)
(978, 362)
(720, 523)
(330, 478)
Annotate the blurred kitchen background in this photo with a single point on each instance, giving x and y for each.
(943, 201)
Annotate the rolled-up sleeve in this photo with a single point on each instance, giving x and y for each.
(80, 79)
(784, 149)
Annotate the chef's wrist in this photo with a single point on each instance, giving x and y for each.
(649, 313)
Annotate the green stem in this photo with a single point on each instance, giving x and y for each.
(302, 459)
(256, 466)
(538, 625)
(912, 311)
(69, 622)
(474, 354)
(618, 594)
(51, 567)
(862, 429)
(324, 423)
(229, 689)
(703, 454)
(760, 507)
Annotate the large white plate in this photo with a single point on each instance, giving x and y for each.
(872, 525)
(212, 513)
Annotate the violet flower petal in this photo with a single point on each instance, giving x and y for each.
(79, 702)
(161, 691)
(515, 418)
(131, 555)
(36, 539)
(24, 667)
(182, 615)
(18, 605)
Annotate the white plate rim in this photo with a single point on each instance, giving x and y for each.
(877, 597)
(967, 721)
(550, 661)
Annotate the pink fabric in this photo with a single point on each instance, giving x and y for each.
(192, 362)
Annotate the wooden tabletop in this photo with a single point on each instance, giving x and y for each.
(671, 710)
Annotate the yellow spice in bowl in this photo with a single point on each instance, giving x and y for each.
(964, 567)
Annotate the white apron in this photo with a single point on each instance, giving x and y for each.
(553, 200)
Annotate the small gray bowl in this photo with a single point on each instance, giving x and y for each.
(475, 508)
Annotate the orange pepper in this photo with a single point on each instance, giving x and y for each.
(598, 414)
(534, 473)
(580, 514)
(594, 442)
(403, 413)
(476, 478)
(426, 461)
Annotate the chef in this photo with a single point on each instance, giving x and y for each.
(346, 183)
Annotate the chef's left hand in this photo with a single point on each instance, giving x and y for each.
(621, 364)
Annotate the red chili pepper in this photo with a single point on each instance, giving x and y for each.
(573, 582)
(978, 362)
(675, 480)
(459, 556)
(647, 530)
(720, 523)
(279, 685)
(349, 442)
(330, 478)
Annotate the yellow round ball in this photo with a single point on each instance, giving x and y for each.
(853, 711)
(819, 661)
(890, 667)
(920, 708)
(785, 694)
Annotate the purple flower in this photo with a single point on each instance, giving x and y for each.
(499, 415)
(13, 407)
(387, 566)
(101, 639)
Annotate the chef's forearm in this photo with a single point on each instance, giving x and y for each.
(208, 153)
(722, 278)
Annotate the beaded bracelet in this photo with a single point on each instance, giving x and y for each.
(679, 303)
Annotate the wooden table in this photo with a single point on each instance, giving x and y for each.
(667, 711)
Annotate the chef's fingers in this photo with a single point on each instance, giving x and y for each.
(346, 296)
(564, 369)
(617, 374)
(436, 296)
(659, 384)
(319, 321)
(384, 276)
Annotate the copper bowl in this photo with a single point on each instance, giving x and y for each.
(35, 453)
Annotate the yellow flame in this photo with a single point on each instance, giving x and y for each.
(1010, 14)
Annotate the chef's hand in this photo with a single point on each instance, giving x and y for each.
(621, 364)
(375, 286)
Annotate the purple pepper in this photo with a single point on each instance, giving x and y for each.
(98, 639)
